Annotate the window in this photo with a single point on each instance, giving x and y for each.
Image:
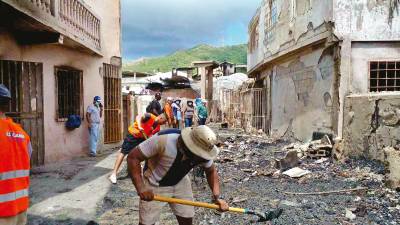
(271, 20)
(69, 91)
(384, 76)
(254, 34)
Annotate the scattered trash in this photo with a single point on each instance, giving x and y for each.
(289, 203)
(238, 200)
(296, 172)
(321, 160)
(350, 215)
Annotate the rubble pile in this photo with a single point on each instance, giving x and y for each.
(311, 190)
(261, 173)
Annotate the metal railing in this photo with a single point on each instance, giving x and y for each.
(246, 108)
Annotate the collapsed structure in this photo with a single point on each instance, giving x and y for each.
(325, 66)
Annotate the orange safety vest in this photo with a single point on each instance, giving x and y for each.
(15, 149)
(147, 127)
(168, 111)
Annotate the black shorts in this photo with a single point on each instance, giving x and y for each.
(130, 142)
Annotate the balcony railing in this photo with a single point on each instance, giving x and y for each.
(71, 18)
(44, 5)
(77, 18)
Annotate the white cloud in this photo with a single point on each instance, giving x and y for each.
(156, 27)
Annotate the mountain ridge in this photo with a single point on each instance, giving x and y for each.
(236, 54)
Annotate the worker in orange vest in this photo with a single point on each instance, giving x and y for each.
(143, 128)
(15, 153)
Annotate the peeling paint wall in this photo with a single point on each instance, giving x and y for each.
(302, 95)
(298, 21)
(257, 56)
(366, 19)
(371, 123)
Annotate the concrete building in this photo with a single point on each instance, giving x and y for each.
(324, 65)
(206, 71)
(55, 56)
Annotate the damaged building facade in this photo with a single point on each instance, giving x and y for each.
(329, 66)
(55, 56)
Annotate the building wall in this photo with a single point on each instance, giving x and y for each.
(366, 20)
(362, 53)
(61, 144)
(303, 94)
(256, 56)
(299, 23)
(371, 123)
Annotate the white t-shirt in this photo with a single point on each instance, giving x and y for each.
(94, 112)
(161, 152)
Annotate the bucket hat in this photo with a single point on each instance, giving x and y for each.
(201, 141)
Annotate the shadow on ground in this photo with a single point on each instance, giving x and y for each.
(38, 220)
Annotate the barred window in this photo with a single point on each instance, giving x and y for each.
(69, 90)
(384, 76)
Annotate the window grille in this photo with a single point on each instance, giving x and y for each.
(69, 90)
(384, 76)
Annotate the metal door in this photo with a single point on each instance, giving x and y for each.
(112, 104)
(25, 81)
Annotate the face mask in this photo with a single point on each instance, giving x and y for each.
(97, 104)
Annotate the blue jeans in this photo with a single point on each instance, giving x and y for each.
(188, 122)
(94, 137)
(202, 121)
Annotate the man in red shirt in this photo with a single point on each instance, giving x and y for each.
(139, 131)
(14, 166)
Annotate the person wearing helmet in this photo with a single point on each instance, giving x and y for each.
(170, 155)
(15, 152)
(143, 128)
(94, 113)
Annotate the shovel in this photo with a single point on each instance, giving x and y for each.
(263, 216)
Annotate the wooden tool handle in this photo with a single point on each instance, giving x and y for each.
(196, 204)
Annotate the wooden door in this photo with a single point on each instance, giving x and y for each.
(25, 81)
(112, 104)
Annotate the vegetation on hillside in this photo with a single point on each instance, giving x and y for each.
(235, 54)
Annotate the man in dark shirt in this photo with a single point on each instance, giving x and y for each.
(155, 106)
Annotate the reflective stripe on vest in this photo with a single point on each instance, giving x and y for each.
(14, 195)
(14, 174)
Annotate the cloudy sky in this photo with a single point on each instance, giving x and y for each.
(159, 27)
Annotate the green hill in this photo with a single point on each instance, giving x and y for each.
(235, 54)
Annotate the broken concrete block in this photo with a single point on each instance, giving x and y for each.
(392, 166)
(290, 160)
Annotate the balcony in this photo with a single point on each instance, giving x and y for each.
(67, 22)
